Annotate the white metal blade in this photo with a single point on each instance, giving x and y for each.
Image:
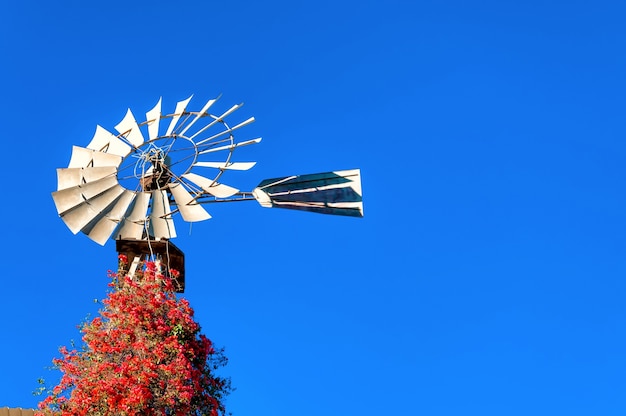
(180, 108)
(70, 177)
(69, 198)
(219, 118)
(229, 111)
(133, 226)
(153, 117)
(100, 159)
(86, 212)
(200, 115)
(227, 131)
(105, 141)
(223, 165)
(189, 209)
(161, 223)
(128, 128)
(231, 146)
(210, 186)
(102, 230)
(82, 158)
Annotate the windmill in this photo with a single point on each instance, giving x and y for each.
(129, 186)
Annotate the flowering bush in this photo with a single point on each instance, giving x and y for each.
(144, 355)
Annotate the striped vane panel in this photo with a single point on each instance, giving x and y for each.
(335, 193)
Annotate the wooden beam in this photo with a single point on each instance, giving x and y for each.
(171, 257)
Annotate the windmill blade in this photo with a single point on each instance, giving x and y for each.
(71, 177)
(199, 115)
(69, 198)
(217, 120)
(153, 117)
(161, 223)
(189, 209)
(224, 165)
(231, 146)
(335, 193)
(180, 109)
(216, 189)
(130, 130)
(227, 131)
(82, 158)
(101, 229)
(132, 227)
(105, 141)
(77, 218)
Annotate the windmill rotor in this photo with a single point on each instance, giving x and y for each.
(128, 185)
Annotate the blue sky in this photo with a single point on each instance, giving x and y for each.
(487, 276)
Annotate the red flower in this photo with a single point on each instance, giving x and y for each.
(144, 355)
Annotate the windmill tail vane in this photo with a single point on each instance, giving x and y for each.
(128, 186)
(335, 193)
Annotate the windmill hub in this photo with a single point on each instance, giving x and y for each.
(153, 165)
